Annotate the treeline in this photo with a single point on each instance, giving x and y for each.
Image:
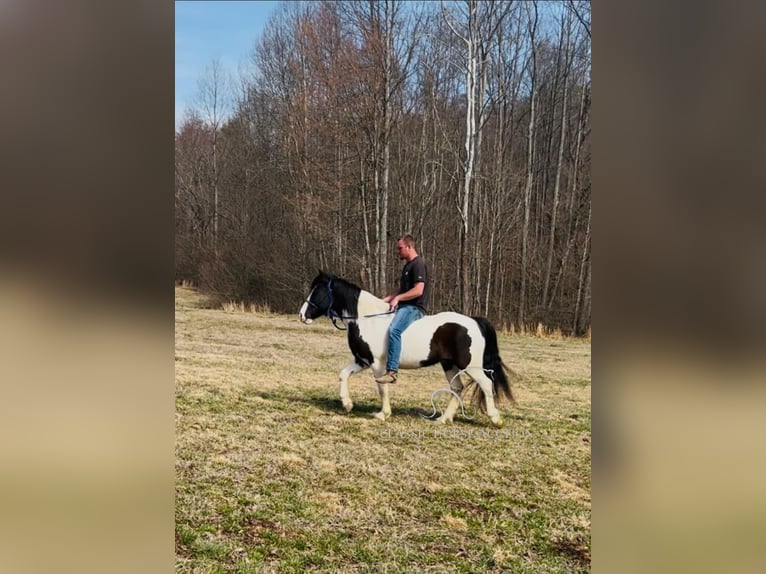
(466, 124)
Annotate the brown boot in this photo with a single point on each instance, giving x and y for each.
(388, 378)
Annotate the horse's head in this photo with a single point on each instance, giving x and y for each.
(320, 298)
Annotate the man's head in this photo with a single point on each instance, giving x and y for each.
(406, 248)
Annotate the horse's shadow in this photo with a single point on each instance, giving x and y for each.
(333, 405)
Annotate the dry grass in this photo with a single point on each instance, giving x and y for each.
(541, 332)
(240, 307)
(273, 475)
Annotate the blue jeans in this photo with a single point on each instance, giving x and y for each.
(405, 315)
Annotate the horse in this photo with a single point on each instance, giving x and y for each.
(459, 343)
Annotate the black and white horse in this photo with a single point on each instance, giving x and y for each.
(461, 344)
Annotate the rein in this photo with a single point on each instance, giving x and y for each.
(454, 394)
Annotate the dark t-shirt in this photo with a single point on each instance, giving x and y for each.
(415, 271)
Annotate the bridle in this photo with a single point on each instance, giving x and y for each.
(330, 313)
(334, 315)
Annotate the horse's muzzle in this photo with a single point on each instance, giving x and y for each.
(302, 314)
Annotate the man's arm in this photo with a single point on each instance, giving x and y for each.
(413, 293)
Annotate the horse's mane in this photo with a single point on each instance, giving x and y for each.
(344, 291)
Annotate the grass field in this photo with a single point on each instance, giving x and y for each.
(273, 476)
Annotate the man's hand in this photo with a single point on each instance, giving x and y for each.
(393, 302)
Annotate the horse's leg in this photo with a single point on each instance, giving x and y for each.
(456, 385)
(349, 370)
(477, 374)
(385, 406)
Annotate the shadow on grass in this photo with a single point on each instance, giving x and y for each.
(367, 409)
(333, 405)
(575, 550)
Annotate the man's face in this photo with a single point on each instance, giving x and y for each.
(403, 250)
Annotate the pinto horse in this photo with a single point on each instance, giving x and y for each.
(458, 342)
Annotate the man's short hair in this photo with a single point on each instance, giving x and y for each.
(408, 240)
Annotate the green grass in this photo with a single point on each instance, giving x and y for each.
(273, 475)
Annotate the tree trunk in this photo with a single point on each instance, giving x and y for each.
(470, 142)
(573, 219)
(370, 282)
(387, 110)
(583, 287)
(530, 180)
(556, 187)
(380, 231)
(478, 231)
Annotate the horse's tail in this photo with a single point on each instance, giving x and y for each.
(501, 387)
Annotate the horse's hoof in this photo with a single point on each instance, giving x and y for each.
(348, 405)
(380, 415)
(498, 422)
(443, 420)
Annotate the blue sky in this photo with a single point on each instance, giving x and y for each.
(208, 30)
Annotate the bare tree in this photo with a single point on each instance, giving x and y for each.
(530, 165)
(582, 304)
(581, 10)
(192, 201)
(480, 22)
(566, 30)
(212, 99)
